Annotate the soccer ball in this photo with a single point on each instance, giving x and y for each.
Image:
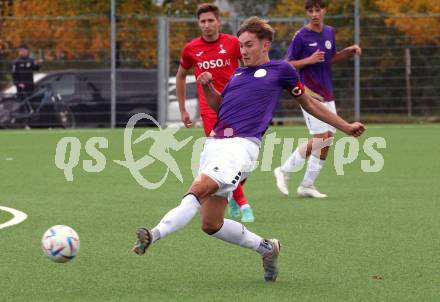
(60, 243)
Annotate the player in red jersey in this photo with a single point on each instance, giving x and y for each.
(219, 54)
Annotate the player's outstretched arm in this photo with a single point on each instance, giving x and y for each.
(316, 109)
(347, 52)
(213, 97)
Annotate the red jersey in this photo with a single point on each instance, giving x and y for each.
(219, 57)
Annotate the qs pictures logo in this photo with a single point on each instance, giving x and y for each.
(162, 143)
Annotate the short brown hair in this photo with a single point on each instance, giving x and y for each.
(206, 8)
(318, 3)
(257, 26)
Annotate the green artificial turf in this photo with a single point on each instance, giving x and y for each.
(376, 238)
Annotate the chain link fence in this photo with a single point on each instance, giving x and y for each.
(399, 75)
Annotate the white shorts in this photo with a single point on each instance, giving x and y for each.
(228, 161)
(317, 126)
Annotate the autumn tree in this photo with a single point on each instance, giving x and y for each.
(54, 26)
(412, 18)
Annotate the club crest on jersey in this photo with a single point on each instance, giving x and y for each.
(328, 44)
(222, 50)
(260, 73)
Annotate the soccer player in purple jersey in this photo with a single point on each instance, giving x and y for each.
(244, 111)
(312, 52)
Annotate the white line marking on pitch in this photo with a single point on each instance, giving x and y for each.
(18, 217)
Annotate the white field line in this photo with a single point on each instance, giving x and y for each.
(18, 217)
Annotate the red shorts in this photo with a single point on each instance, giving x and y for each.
(209, 121)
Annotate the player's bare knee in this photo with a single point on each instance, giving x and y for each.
(210, 227)
(203, 186)
(199, 190)
(324, 153)
(328, 141)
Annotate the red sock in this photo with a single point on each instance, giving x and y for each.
(239, 197)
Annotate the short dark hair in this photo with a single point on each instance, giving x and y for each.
(257, 26)
(206, 8)
(318, 3)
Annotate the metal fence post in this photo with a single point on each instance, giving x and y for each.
(113, 64)
(357, 65)
(163, 67)
(236, 25)
(408, 80)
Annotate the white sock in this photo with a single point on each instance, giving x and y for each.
(314, 166)
(245, 206)
(294, 161)
(236, 233)
(176, 218)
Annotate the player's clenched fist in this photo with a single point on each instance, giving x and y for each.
(204, 78)
(356, 129)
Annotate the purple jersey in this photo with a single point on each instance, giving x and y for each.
(317, 77)
(251, 96)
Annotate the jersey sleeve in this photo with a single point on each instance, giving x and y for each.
(295, 48)
(289, 79)
(185, 60)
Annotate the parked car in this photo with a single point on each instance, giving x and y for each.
(11, 89)
(191, 104)
(86, 93)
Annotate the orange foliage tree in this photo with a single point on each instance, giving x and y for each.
(54, 27)
(80, 30)
(417, 25)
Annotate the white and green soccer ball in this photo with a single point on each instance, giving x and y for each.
(60, 243)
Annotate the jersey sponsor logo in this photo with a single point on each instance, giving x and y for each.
(328, 44)
(313, 44)
(214, 63)
(260, 73)
(222, 50)
(199, 54)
